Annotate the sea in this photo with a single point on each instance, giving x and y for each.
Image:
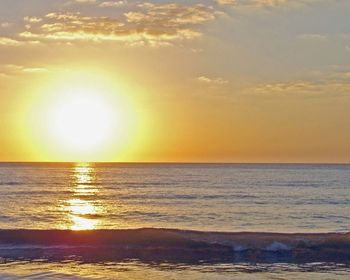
(174, 221)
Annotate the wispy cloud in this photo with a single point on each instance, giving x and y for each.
(313, 37)
(8, 70)
(5, 41)
(85, 1)
(152, 24)
(32, 19)
(330, 88)
(255, 3)
(212, 81)
(110, 4)
(5, 24)
(171, 15)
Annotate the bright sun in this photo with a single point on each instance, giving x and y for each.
(83, 119)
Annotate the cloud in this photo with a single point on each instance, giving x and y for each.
(110, 4)
(98, 3)
(329, 88)
(313, 37)
(254, 3)
(8, 70)
(85, 1)
(12, 42)
(226, 2)
(5, 24)
(5, 41)
(31, 20)
(331, 81)
(150, 24)
(58, 23)
(212, 81)
(171, 15)
(35, 70)
(271, 3)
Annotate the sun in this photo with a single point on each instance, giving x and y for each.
(83, 117)
(83, 120)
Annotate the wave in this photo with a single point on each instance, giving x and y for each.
(154, 244)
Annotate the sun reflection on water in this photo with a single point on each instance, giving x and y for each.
(84, 208)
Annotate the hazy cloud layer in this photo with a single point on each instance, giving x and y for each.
(147, 24)
(137, 23)
(333, 83)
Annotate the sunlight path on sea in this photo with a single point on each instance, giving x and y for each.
(84, 209)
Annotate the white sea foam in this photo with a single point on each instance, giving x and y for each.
(276, 246)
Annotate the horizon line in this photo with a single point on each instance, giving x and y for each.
(176, 162)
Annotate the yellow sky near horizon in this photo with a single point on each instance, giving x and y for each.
(183, 81)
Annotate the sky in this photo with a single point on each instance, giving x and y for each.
(186, 81)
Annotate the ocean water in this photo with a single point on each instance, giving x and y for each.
(194, 200)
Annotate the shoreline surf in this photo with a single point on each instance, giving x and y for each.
(174, 245)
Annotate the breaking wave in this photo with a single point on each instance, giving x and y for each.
(175, 245)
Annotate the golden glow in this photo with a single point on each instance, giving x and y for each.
(175, 98)
(82, 116)
(84, 208)
(83, 120)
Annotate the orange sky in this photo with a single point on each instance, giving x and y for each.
(199, 81)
